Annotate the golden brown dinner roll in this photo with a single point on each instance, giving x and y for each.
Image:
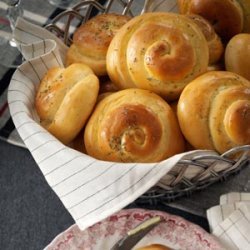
(214, 111)
(237, 55)
(133, 125)
(215, 45)
(160, 52)
(91, 41)
(65, 99)
(226, 16)
(154, 247)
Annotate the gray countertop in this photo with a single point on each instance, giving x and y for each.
(31, 214)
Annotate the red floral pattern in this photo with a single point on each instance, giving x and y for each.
(175, 232)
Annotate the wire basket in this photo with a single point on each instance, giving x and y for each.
(180, 182)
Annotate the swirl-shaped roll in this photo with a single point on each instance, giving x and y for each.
(133, 125)
(214, 111)
(160, 52)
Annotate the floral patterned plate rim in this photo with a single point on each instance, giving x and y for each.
(174, 232)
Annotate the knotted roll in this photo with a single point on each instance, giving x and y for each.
(214, 111)
(160, 52)
(65, 99)
(91, 41)
(133, 125)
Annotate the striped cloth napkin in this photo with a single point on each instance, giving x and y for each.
(230, 220)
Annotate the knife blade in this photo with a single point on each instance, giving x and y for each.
(133, 236)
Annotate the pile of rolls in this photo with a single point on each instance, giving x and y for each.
(144, 88)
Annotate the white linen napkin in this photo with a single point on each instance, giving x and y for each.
(230, 220)
(90, 190)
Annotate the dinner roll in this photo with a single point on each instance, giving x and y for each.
(226, 16)
(154, 247)
(65, 99)
(133, 125)
(237, 55)
(160, 52)
(215, 46)
(91, 41)
(214, 111)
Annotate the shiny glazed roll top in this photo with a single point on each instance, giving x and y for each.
(214, 111)
(65, 99)
(133, 125)
(160, 52)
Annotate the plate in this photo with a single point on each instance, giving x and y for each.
(174, 232)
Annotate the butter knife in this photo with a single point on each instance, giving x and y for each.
(133, 236)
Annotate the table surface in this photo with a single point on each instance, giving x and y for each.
(31, 214)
